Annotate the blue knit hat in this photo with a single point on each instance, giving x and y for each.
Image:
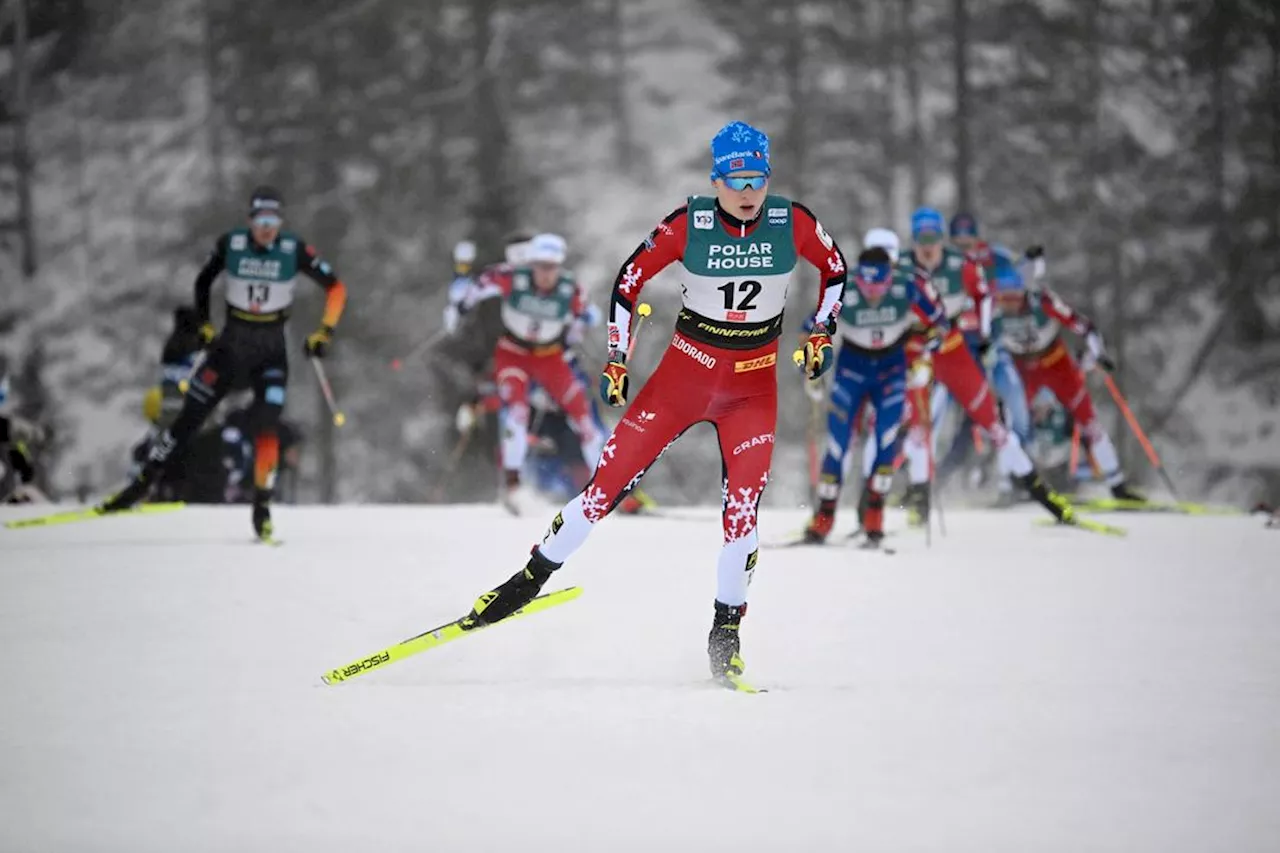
(739, 147)
(928, 225)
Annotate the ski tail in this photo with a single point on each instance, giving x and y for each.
(1081, 523)
(446, 633)
(91, 513)
(738, 684)
(1173, 507)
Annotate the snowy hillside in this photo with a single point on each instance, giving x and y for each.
(1012, 689)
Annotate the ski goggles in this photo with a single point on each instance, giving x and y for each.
(267, 220)
(874, 279)
(755, 182)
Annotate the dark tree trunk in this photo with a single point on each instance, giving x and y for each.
(908, 59)
(624, 148)
(21, 112)
(964, 154)
(793, 72)
(493, 205)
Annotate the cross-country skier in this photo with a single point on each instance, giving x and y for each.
(262, 264)
(464, 259)
(876, 319)
(737, 251)
(543, 309)
(14, 434)
(1033, 320)
(955, 364)
(162, 402)
(999, 264)
(1001, 268)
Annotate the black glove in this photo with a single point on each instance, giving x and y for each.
(1033, 252)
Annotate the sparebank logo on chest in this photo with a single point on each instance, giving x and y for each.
(871, 316)
(549, 309)
(258, 268)
(703, 220)
(752, 256)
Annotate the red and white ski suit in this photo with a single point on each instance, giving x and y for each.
(707, 375)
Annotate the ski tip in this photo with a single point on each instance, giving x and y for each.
(332, 678)
(737, 684)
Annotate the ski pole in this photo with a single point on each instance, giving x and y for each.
(926, 424)
(1142, 436)
(451, 466)
(198, 362)
(1074, 464)
(398, 363)
(325, 388)
(935, 497)
(814, 440)
(643, 310)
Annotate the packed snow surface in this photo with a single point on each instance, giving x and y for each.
(1013, 688)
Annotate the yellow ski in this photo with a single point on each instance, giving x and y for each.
(1084, 524)
(1182, 507)
(446, 633)
(89, 514)
(737, 684)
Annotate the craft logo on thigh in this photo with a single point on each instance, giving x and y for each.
(756, 441)
(755, 363)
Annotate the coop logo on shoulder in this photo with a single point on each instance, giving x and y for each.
(778, 215)
(704, 220)
(237, 242)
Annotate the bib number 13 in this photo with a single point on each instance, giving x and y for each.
(258, 295)
(748, 290)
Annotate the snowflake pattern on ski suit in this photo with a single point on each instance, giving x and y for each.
(608, 452)
(595, 503)
(740, 508)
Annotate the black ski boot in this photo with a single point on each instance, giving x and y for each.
(917, 503)
(724, 643)
(131, 494)
(1040, 492)
(262, 514)
(1121, 491)
(521, 588)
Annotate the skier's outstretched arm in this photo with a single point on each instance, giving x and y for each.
(817, 247)
(318, 270)
(213, 266)
(663, 247)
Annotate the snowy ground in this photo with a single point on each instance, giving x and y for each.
(1013, 689)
